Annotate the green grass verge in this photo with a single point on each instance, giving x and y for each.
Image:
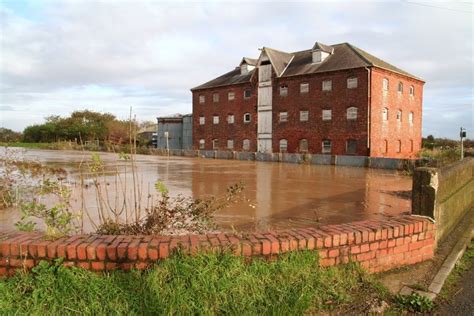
(204, 284)
(30, 145)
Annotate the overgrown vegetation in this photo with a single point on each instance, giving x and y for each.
(182, 285)
(414, 303)
(8, 136)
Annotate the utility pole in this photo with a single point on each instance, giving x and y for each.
(462, 135)
(167, 142)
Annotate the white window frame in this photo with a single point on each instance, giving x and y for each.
(412, 91)
(283, 145)
(327, 115)
(307, 145)
(231, 96)
(283, 90)
(283, 117)
(304, 116)
(249, 118)
(215, 97)
(230, 119)
(326, 146)
(215, 119)
(352, 83)
(327, 85)
(385, 84)
(400, 87)
(410, 118)
(246, 144)
(202, 99)
(351, 113)
(215, 144)
(230, 144)
(202, 143)
(304, 87)
(202, 120)
(399, 115)
(385, 114)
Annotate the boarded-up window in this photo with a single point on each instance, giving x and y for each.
(351, 113)
(284, 90)
(230, 144)
(246, 144)
(385, 84)
(304, 116)
(202, 144)
(351, 146)
(352, 83)
(327, 85)
(304, 87)
(410, 118)
(385, 114)
(303, 145)
(215, 119)
(283, 116)
(246, 117)
(202, 99)
(230, 119)
(247, 94)
(327, 115)
(283, 145)
(326, 146)
(231, 96)
(215, 144)
(215, 97)
(202, 120)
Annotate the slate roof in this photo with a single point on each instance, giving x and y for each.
(344, 56)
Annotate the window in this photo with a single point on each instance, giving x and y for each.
(399, 115)
(385, 114)
(304, 116)
(412, 91)
(230, 119)
(283, 145)
(351, 113)
(352, 83)
(327, 85)
(410, 118)
(284, 90)
(202, 144)
(202, 120)
(385, 84)
(400, 87)
(283, 116)
(399, 146)
(303, 145)
(351, 146)
(215, 144)
(215, 97)
(411, 145)
(326, 146)
(385, 146)
(304, 87)
(247, 94)
(327, 115)
(202, 99)
(230, 144)
(246, 117)
(215, 119)
(246, 144)
(231, 96)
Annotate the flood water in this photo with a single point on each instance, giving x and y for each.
(276, 195)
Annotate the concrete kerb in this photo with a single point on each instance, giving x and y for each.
(446, 268)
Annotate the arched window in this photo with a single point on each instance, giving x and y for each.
(351, 113)
(246, 117)
(283, 145)
(385, 84)
(400, 87)
(399, 146)
(412, 91)
(202, 144)
(410, 118)
(385, 114)
(246, 144)
(399, 115)
(303, 145)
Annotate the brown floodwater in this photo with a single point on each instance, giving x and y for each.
(276, 195)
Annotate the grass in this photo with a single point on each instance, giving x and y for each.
(205, 284)
(30, 145)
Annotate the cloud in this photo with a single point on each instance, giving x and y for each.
(60, 56)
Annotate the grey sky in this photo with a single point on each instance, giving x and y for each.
(61, 56)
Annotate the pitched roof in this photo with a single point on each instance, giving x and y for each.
(324, 48)
(344, 56)
(249, 61)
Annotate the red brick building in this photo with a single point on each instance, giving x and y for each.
(337, 100)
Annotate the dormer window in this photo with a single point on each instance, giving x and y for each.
(246, 65)
(321, 52)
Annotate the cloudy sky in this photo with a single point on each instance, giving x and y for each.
(61, 56)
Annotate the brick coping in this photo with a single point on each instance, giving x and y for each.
(378, 245)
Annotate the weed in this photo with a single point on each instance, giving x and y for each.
(414, 303)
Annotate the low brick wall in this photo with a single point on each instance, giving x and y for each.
(444, 194)
(377, 245)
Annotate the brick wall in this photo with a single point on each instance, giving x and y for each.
(392, 130)
(338, 129)
(377, 245)
(224, 131)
